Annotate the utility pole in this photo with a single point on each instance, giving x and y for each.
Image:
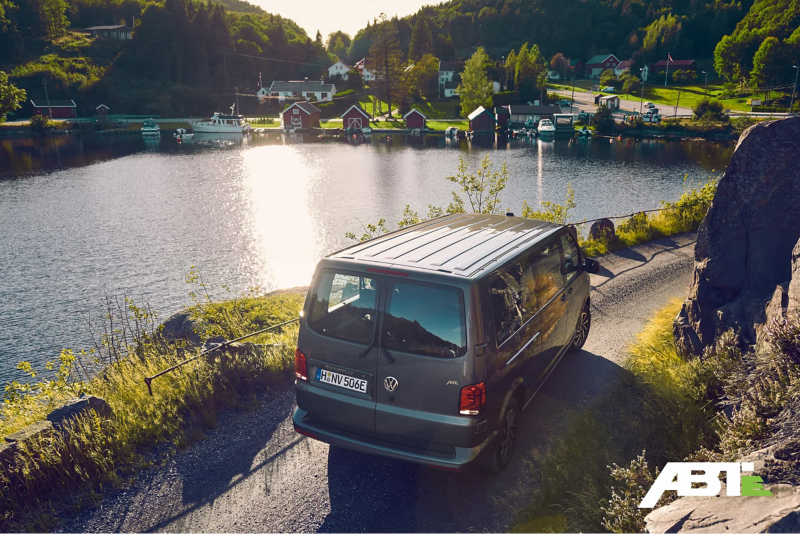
(794, 87)
(238, 111)
(225, 64)
(47, 96)
(704, 72)
(641, 97)
(677, 101)
(666, 72)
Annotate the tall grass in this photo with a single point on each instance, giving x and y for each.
(683, 215)
(93, 452)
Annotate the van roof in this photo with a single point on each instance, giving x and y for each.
(460, 244)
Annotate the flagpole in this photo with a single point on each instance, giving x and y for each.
(666, 73)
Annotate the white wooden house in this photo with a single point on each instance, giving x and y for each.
(338, 69)
(303, 89)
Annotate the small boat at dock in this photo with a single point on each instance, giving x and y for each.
(546, 127)
(182, 133)
(150, 128)
(451, 132)
(219, 123)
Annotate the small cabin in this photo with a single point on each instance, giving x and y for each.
(56, 109)
(482, 120)
(355, 118)
(610, 101)
(102, 110)
(415, 119)
(300, 115)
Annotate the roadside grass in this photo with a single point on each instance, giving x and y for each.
(93, 453)
(678, 217)
(660, 95)
(657, 404)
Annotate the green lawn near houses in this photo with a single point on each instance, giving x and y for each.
(666, 96)
(438, 109)
(441, 125)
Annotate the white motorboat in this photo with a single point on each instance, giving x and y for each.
(451, 132)
(219, 123)
(181, 133)
(150, 128)
(546, 127)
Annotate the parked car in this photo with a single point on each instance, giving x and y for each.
(652, 111)
(583, 116)
(608, 89)
(425, 344)
(649, 105)
(565, 103)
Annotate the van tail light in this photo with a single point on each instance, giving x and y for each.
(472, 399)
(300, 367)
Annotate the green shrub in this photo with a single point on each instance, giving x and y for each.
(40, 123)
(603, 119)
(349, 93)
(710, 109)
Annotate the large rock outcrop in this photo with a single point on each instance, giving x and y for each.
(745, 243)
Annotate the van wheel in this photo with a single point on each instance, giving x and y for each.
(582, 329)
(499, 454)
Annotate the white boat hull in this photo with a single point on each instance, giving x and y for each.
(204, 127)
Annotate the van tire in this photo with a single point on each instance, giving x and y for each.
(581, 332)
(500, 452)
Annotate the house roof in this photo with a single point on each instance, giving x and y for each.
(308, 107)
(450, 85)
(301, 87)
(478, 111)
(102, 106)
(519, 109)
(54, 104)
(451, 66)
(675, 63)
(415, 110)
(467, 245)
(501, 111)
(624, 64)
(358, 108)
(114, 27)
(342, 62)
(600, 58)
(573, 62)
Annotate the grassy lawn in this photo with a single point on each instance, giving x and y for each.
(666, 96)
(385, 125)
(330, 124)
(437, 125)
(438, 109)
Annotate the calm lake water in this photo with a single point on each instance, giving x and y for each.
(86, 217)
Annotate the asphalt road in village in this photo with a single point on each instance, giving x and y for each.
(254, 473)
(584, 102)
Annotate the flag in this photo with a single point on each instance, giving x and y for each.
(669, 56)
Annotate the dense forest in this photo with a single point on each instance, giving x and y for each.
(186, 56)
(190, 56)
(645, 30)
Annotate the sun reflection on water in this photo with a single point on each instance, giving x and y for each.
(282, 223)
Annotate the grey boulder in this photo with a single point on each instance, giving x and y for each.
(77, 406)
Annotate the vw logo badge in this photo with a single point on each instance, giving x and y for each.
(390, 383)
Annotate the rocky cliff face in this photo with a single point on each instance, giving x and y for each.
(747, 242)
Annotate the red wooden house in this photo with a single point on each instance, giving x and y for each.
(415, 119)
(659, 67)
(355, 118)
(303, 115)
(597, 64)
(482, 120)
(59, 109)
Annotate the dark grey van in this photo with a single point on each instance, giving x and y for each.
(426, 344)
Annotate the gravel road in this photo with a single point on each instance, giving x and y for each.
(254, 473)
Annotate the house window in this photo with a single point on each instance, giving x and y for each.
(324, 95)
(296, 111)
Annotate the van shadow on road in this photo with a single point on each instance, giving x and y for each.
(371, 494)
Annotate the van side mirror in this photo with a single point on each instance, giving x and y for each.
(591, 266)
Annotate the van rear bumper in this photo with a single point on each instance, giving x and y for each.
(455, 461)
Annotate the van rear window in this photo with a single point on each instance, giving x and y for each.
(343, 307)
(425, 319)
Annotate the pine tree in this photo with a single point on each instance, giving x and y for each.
(421, 39)
(319, 38)
(475, 88)
(386, 59)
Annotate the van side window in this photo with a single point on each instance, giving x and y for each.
(513, 299)
(343, 307)
(425, 319)
(547, 264)
(571, 257)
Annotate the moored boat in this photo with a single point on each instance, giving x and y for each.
(451, 132)
(546, 127)
(219, 123)
(150, 128)
(182, 133)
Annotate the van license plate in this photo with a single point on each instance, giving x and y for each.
(343, 381)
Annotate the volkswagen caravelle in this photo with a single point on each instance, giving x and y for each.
(425, 344)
